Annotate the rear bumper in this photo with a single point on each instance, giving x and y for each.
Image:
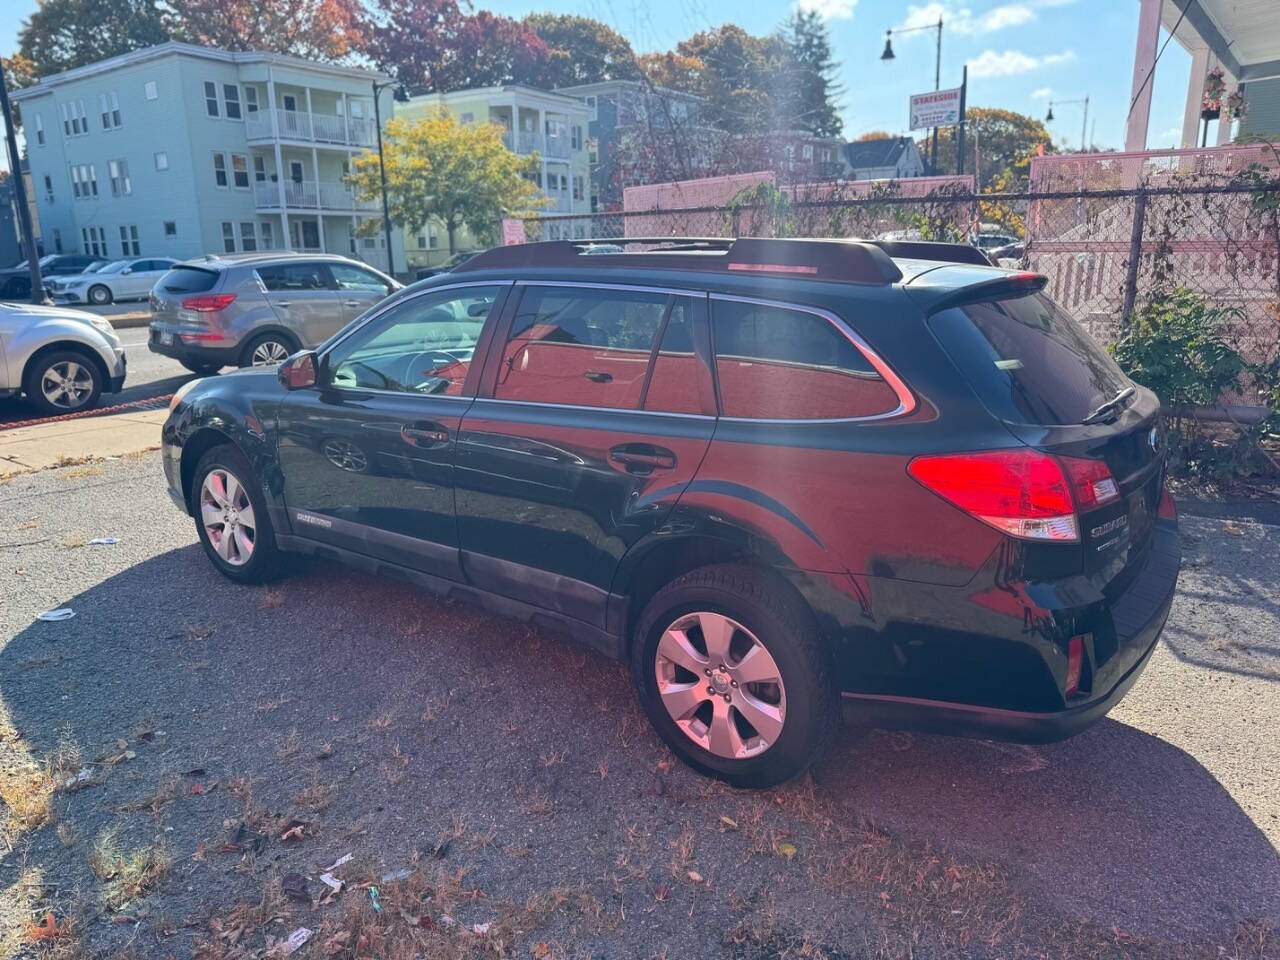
(223, 354)
(1122, 635)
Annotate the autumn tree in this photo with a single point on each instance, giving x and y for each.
(1005, 142)
(456, 174)
(675, 71)
(741, 77)
(439, 46)
(315, 29)
(581, 50)
(19, 72)
(62, 34)
(876, 135)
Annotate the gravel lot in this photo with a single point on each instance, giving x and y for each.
(514, 775)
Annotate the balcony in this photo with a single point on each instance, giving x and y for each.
(310, 127)
(324, 196)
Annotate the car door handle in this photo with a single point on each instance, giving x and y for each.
(284, 303)
(642, 459)
(424, 434)
(351, 303)
(596, 376)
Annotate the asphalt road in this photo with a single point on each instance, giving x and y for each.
(149, 375)
(485, 756)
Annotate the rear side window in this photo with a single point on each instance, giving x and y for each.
(677, 371)
(579, 346)
(297, 277)
(778, 364)
(1027, 360)
(188, 280)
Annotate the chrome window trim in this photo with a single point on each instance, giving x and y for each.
(592, 285)
(326, 348)
(906, 402)
(574, 406)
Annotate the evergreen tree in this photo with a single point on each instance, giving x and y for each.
(813, 89)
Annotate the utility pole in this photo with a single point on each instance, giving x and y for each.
(964, 90)
(20, 193)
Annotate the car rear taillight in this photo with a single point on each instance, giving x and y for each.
(1091, 482)
(1023, 493)
(208, 302)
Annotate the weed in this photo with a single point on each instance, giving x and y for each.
(126, 876)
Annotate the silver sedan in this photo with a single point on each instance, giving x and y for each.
(61, 360)
(130, 279)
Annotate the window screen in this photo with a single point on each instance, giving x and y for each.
(778, 364)
(580, 346)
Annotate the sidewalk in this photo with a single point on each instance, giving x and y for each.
(65, 442)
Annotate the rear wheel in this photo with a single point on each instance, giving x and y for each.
(267, 349)
(232, 519)
(98, 294)
(733, 674)
(64, 381)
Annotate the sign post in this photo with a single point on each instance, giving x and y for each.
(941, 108)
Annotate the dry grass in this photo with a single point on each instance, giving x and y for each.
(290, 745)
(27, 787)
(273, 597)
(167, 790)
(128, 876)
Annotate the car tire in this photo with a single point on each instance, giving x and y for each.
(63, 381)
(223, 484)
(796, 707)
(99, 295)
(268, 345)
(201, 369)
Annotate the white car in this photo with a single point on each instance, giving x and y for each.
(130, 279)
(63, 360)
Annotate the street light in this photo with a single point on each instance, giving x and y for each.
(1084, 126)
(402, 97)
(937, 71)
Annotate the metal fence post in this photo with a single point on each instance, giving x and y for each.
(1135, 257)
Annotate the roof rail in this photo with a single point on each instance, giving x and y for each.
(933, 250)
(847, 261)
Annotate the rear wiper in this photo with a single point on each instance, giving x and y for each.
(1106, 411)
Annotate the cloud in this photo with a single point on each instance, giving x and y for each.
(1042, 93)
(989, 63)
(828, 9)
(1173, 133)
(962, 20)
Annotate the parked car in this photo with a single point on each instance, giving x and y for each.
(1010, 255)
(257, 308)
(457, 260)
(62, 360)
(776, 477)
(130, 279)
(15, 281)
(989, 241)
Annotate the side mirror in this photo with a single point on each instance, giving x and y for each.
(127, 270)
(299, 371)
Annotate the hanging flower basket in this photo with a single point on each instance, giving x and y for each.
(1211, 100)
(1210, 112)
(1236, 105)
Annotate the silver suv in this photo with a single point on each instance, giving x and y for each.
(253, 309)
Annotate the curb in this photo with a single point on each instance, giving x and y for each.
(129, 321)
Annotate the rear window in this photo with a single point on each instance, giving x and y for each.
(188, 280)
(1028, 361)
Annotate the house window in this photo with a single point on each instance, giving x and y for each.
(248, 236)
(121, 186)
(228, 236)
(57, 240)
(149, 90)
(84, 180)
(422, 240)
(95, 241)
(170, 228)
(260, 169)
(211, 98)
(267, 233)
(591, 105)
(251, 100)
(109, 104)
(39, 130)
(74, 121)
(162, 160)
(290, 102)
(575, 138)
(577, 188)
(468, 118)
(48, 187)
(807, 151)
(240, 170)
(129, 240)
(231, 100)
(432, 241)
(220, 169)
(295, 171)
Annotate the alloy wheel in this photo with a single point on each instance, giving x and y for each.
(720, 685)
(99, 295)
(67, 384)
(227, 515)
(268, 352)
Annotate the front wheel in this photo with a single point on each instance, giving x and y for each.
(733, 674)
(232, 519)
(64, 381)
(99, 295)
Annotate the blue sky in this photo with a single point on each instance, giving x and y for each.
(1020, 53)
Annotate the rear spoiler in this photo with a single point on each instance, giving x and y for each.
(930, 250)
(997, 288)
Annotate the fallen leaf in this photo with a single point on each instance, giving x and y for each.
(293, 833)
(662, 892)
(49, 930)
(121, 744)
(788, 850)
(695, 876)
(1234, 529)
(540, 950)
(728, 822)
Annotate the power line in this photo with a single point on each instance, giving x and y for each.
(1152, 71)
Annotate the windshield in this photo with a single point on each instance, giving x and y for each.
(1028, 361)
(45, 260)
(97, 266)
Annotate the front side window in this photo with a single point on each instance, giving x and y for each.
(773, 363)
(353, 278)
(581, 346)
(423, 345)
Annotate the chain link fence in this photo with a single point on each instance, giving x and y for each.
(1108, 253)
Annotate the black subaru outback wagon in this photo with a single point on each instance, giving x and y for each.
(776, 477)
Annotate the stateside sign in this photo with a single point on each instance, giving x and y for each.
(940, 108)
